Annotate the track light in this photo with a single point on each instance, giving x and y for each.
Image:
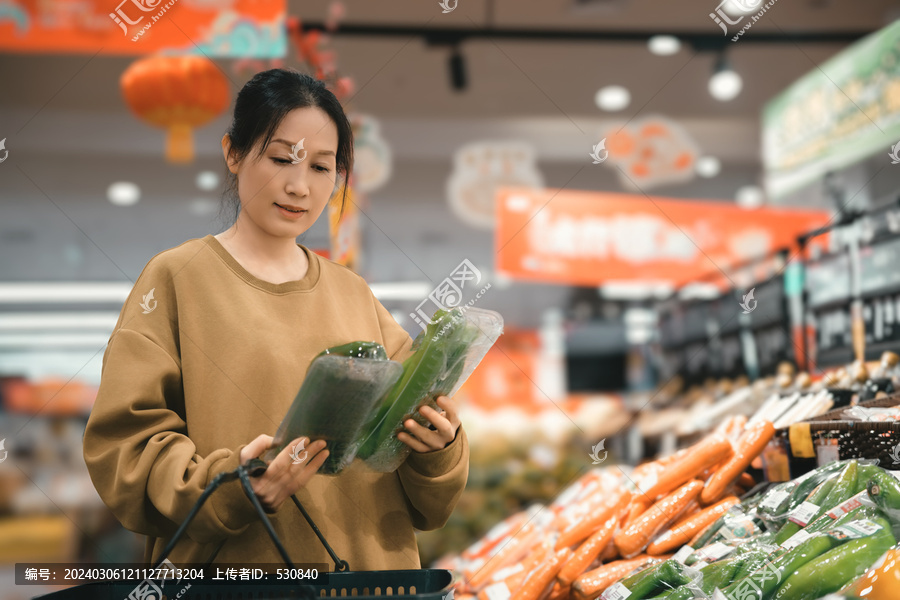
(725, 84)
(458, 76)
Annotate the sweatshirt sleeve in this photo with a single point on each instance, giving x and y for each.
(139, 456)
(435, 480)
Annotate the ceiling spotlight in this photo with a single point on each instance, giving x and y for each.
(750, 196)
(123, 193)
(708, 166)
(725, 84)
(458, 76)
(664, 45)
(207, 180)
(612, 98)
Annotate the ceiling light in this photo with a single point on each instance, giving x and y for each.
(725, 84)
(708, 166)
(664, 45)
(207, 180)
(123, 193)
(750, 196)
(612, 98)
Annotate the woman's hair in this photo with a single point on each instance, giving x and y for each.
(260, 107)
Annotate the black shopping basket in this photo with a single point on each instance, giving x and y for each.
(413, 584)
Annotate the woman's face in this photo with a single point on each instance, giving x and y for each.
(288, 176)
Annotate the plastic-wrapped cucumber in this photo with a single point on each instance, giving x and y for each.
(445, 355)
(837, 567)
(665, 576)
(339, 394)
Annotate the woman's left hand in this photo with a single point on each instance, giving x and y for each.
(444, 425)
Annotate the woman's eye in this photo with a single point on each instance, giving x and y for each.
(322, 169)
(281, 161)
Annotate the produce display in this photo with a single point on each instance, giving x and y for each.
(695, 525)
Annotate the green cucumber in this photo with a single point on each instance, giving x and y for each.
(884, 490)
(431, 371)
(829, 494)
(866, 472)
(835, 568)
(816, 497)
(665, 576)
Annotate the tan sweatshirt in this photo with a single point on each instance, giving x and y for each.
(205, 357)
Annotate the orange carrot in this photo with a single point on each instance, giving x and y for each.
(610, 553)
(635, 537)
(639, 505)
(593, 583)
(746, 481)
(509, 552)
(559, 592)
(682, 532)
(541, 579)
(580, 531)
(710, 450)
(588, 552)
(749, 446)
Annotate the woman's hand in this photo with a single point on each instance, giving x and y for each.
(288, 472)
(442, 431)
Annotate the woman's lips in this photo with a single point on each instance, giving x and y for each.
(288, 213)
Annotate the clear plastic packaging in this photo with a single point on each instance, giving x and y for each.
(338, 396)
(446, 353)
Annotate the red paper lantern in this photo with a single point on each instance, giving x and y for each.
(177, 93)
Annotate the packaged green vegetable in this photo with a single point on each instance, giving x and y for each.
(445, 355)
(342, 388)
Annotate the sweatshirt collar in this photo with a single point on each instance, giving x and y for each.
(308, 282)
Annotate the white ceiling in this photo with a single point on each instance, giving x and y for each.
(69, 134)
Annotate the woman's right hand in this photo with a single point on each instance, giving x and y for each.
(287, 473)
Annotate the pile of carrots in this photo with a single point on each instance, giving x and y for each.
(612, 521)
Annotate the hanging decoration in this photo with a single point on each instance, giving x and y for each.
(650, 152)
(479, 169)
(177, 93)
(372, 158)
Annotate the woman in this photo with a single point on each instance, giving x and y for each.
(213, 343)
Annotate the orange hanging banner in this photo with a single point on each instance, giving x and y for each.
(591, 238)
(234, 29)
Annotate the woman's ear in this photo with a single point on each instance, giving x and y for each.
(226, 152)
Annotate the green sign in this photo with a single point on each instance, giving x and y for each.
(836, 115)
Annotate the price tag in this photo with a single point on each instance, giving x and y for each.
(714, 552)
(804, 513)
(700, 565)
(497, 591)
(844, 507)
(774, 499)
(616, 592)
(682, 555)
(796, 539)
(854, 530)
(718, 595)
